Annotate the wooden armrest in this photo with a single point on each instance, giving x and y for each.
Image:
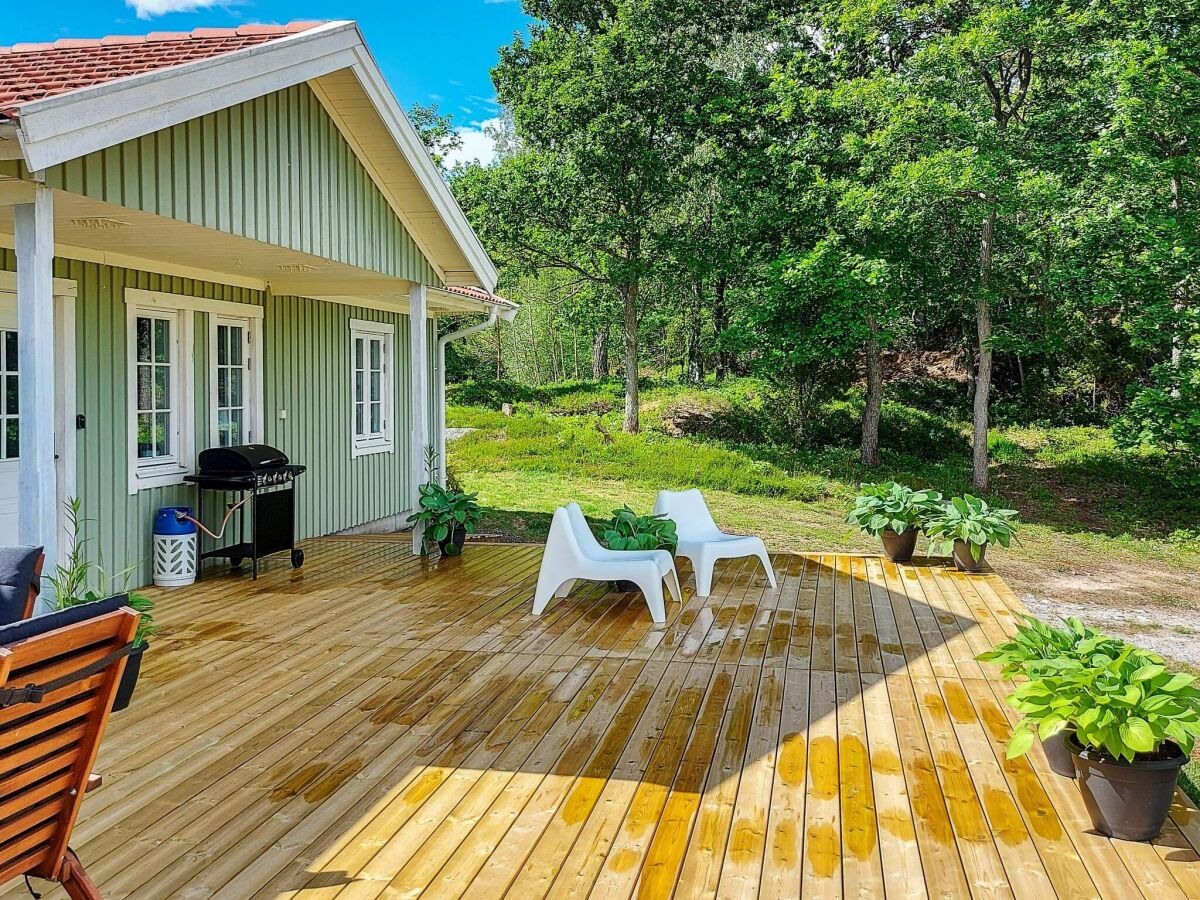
(94, 781)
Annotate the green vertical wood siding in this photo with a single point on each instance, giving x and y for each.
(306, 370)
(275, 169)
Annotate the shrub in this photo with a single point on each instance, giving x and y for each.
(629, 531)
(1036, 645)
(972, 521)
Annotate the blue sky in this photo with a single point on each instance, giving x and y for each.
(432, 51)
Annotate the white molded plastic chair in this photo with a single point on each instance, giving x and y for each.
(701, 541)
(572, 552)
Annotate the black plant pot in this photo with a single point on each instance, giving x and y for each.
(1058, 755)
(900, 547)
(452, 544)
(965, 561)
(129, 678)
(625, 587)
(1127, 801)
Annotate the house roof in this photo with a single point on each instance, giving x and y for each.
(38, 70)
(476, 293)
(97, 94)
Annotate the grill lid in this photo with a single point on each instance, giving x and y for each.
(240, 460)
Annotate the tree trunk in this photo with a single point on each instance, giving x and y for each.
(629, 293)
(870, 420)
(694, 374)
(720, 323)
(1180, 296)
(499, 357)
(600, 354)
(983, 375)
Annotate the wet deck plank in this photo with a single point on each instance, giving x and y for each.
(376, 725)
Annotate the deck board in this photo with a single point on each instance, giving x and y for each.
(377, 725)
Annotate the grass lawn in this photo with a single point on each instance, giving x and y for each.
(1109, 534)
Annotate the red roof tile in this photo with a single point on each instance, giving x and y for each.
(478, 294)
(33, 71)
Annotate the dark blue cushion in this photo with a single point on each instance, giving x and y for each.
(16, 576)
(72, 615)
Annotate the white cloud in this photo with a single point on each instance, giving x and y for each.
(148, 9)
(477, 145)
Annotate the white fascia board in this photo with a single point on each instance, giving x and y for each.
(70, 125)
(409, 141)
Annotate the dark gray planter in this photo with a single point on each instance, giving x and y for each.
(965, 561)
(129, 678)
(1127, 801)
(900, 547)
(1058, 755)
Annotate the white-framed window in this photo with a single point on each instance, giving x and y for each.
(372, 394)
(233, 387)
(160, 395)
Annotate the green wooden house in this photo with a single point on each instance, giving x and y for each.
(217, 238)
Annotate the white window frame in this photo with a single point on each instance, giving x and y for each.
(144, 474)
(252, 387)
(160, 471)
(384, 441)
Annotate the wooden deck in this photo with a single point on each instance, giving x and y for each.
(379, 726)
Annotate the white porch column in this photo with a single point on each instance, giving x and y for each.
(418, 309)
(38, 489)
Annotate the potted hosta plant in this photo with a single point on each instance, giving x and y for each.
(448, 516)
(626, 530)
(895, 514)
(1036, 649)
(966, 526)
(1135, 726)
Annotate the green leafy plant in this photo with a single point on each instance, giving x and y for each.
(626, 530)
(443, 509)
(1125, 708)
(892, 507)
(72, 580)
(972, 521)
(1036, 647)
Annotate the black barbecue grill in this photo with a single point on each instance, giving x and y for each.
(270, 478)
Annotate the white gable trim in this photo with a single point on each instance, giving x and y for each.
(64, 127)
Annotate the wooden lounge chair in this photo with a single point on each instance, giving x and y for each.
(58, 675)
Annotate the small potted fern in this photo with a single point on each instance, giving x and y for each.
(895, 514)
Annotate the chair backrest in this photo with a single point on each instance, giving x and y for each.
(688, 511)
(561, 541)
(48, 748)
(584, 537)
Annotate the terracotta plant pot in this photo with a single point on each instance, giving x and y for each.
(1058, 755)
(1127, 801)
(964, 560)
(899, 547)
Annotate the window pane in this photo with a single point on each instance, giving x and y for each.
(11, 394)
(222, 387)
(237, 338)
(222, 345)
(143, 340)
(12, 440)
(376, 387)
(162, 387)
(235, 387)
(376, 418)
(358, 387)
(162, 436)
(376, 354)
(358, 419)
(358, 353)
(162, 340)
(235, 427)
(223, 428)
(145, 387)
(145, 435)
(10, 351)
